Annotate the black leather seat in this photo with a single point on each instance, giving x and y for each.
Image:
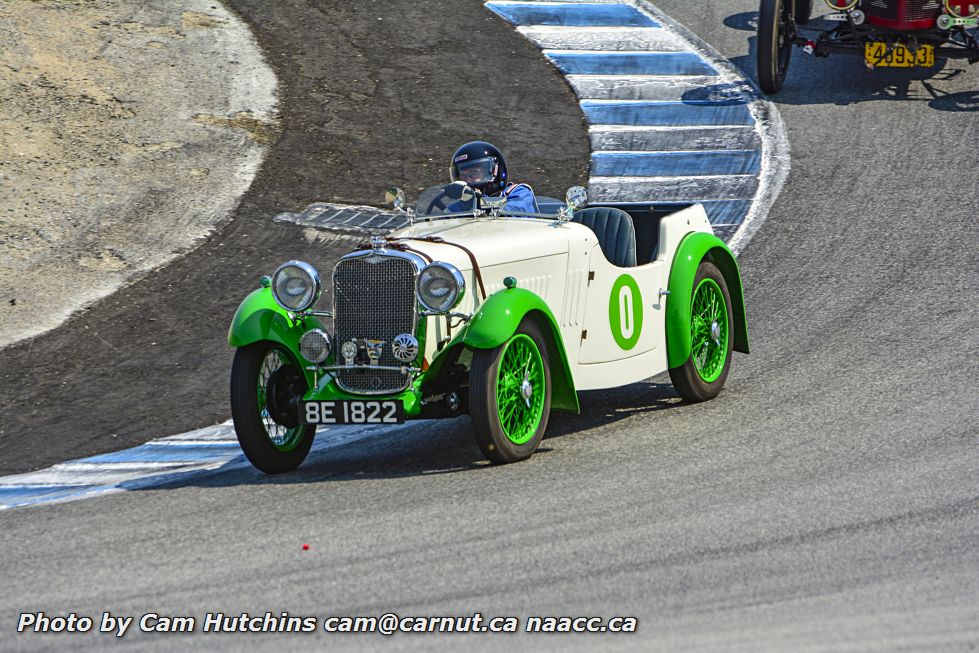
(615, 231)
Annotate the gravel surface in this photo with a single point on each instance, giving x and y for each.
(128, 132)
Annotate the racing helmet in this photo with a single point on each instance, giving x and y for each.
(481, 166)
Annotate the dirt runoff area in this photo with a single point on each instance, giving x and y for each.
(372, 94)
(128, 131)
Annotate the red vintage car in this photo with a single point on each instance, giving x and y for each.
(886, 33)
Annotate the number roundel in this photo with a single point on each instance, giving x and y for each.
(625, 312)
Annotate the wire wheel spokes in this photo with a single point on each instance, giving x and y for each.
(520, 388)
(280, 435)
(709, 330)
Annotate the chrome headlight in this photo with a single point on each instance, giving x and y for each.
(440, 287)
(315, 345)
(295, 286)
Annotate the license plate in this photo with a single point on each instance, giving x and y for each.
(352, 411)
(898, 56)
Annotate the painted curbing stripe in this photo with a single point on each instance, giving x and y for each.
(674, 189)
(83, 478)
(675, 164)
(627, 137)
(150, 452)
(571, 14)
(665, 114)
(726, 213)
(658, 88)
(629, 63)
(653, 39)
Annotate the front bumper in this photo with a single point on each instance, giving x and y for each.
(328, 390)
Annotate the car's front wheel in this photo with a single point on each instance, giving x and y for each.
(510, 395)
(266, 387)
(703, 374)
(775, 28)
(801, 11)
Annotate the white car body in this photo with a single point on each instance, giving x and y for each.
(563, 263)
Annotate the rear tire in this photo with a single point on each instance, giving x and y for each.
(507, 424)
(703, 374)
(266, 385)
(774, 44)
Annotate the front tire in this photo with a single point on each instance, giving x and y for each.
(266, 386)
(774, 44)
(801, 11)
(510, 395)
(703, 374)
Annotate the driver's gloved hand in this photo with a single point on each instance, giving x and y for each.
(458, 190)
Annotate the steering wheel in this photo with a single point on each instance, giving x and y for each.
(437, 202)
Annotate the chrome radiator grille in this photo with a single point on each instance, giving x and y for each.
(374, 298)
(922, 9)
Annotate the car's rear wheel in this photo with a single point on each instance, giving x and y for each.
(775, 30)
(703, 374)
(510, 395)
(266, 387)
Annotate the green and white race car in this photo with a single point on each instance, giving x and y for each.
(472, 309)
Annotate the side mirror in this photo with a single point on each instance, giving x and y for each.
(395, 197)
(576, 197)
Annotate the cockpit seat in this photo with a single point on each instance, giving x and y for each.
(615, 231)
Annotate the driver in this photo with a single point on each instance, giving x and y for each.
(483, 168)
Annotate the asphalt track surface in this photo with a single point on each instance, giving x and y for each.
(826, 500)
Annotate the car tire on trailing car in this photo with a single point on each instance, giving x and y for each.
(801, 11)
(774, 44)
(703, 374)
(266, 386)
(507, 420)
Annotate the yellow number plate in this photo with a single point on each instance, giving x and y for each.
(899, 56)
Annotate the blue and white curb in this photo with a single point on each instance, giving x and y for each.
(178, 458)
(670, 121)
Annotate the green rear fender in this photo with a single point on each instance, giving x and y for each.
(497, 320)
(260, 318)
(693, 249)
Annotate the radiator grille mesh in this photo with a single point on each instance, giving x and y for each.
(374, 298)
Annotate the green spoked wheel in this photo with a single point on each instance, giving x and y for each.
(709, 330)
(703, 374)
(266, 387)
(510, 395)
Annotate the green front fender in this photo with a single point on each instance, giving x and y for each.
(497, 320)
(260, 318)
(692, 250)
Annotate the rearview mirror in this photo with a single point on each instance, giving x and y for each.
(395, 197)
(576, 197)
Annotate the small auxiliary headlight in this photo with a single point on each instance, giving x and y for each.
(440, 287)
(295, 286)
(315, 345)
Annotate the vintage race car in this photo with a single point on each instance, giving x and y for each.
(474, 309)
(886, 33)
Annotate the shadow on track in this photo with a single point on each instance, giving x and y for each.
(430, 447)
(843, 79)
